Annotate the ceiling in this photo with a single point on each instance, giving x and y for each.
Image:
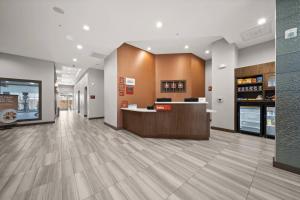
(31, 28)
(197, 46)
(67, 75)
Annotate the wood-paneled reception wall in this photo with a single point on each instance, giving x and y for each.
(138, 64)
(180, 67)
(149, 69)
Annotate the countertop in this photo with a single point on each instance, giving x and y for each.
(180, 102)
(138, 110)
(153, 111)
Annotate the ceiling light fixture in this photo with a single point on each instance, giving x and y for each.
(159, 24)
(149, 49)
(79, 46)
(261, 21)
(74, 59)
(186, 46)
(86, 27)
(207, 52)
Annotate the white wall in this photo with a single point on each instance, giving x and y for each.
(223, 84)
(110, 89)
(18, 67)
(96, 88)
(93, 80)
(257, 54)
(208, 82)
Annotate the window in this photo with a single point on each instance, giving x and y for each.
(29, 97)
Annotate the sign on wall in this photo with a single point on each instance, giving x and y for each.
(130, 81)
(121, 86)
(129, 89)
(124, 104)
(173, 86)
(8, 108)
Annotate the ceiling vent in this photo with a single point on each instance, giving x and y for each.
(58, 10)
(97, 55)
(257, 32)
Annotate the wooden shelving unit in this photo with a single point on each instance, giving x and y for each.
(261, 81)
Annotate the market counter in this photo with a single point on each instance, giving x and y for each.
(179, 120)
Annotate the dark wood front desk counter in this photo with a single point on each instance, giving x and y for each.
(184, 120)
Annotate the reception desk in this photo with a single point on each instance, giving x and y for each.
(180, 120)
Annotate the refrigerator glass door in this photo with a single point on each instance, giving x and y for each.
(250, 119)
(270, 123)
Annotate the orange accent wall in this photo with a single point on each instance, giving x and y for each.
(180, 67)
(198, 76)
(148, 70)
(140, 65)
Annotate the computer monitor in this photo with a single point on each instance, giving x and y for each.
(164, 99)
(191, 99)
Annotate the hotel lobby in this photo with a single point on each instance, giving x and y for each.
(149, 100)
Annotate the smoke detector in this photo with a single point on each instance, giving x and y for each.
(97, 55)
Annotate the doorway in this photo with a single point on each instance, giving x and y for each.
(85, 102)
(78, 101)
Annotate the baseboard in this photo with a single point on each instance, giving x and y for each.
(223, 129)
(111, 126)
(35, 123)
(91, 118)
(285, 167)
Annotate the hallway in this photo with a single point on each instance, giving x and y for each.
(81, 159)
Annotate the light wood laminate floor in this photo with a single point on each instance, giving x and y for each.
(80, 159)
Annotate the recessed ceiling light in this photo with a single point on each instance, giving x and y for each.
(149, 49)
(69, 37)
(74, 59)
(207, 51)
(58, 10)
(159, 24)
(79, 46)
(261, 21)
(86, 27)
(186, 46)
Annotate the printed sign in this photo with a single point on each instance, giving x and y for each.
(129, 89)
(121, 86)
(130, 81)
(8, 108)
(163, 107)
(124, 104)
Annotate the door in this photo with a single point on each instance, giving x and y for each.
(78, 101)
(270, 121)
(250, 119)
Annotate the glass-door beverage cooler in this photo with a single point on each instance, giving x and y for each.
(250, 119)
(270, 121)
